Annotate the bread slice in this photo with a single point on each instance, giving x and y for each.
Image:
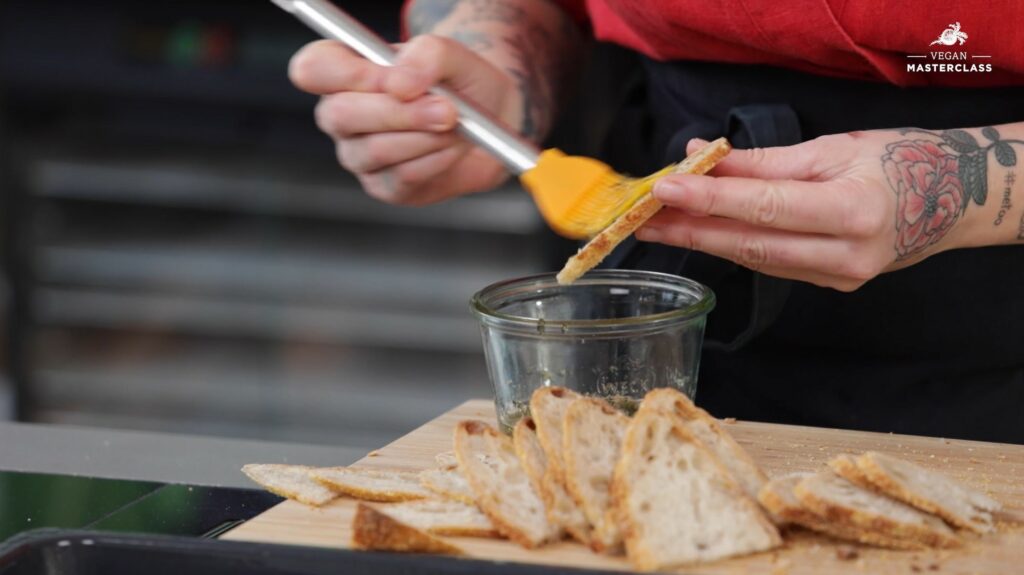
(371, 484)
(929, 491)
(839, 501)
(373, 529)
(502, 489)
(442, 517)
(446, 460)
(291, 481)
(710, 432)
(676, 502)
(777, 497)
(448, 483)
(561, 510)
(598, 248)
(592, 433)
(845, 465)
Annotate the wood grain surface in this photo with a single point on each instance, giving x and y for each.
(997, 469)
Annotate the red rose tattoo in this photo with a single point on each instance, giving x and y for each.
(936, 179)
(929, 193)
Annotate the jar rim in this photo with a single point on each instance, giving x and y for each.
(481, 306)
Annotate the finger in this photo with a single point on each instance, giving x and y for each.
(363, 154)
(799, 162)
(353, 113)
(827, 208)
(326, 67)
(752, 247)
(404, 183)
(426, 61)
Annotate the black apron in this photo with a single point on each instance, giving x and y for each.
(934, 349)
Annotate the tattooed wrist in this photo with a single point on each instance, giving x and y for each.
(936, 176)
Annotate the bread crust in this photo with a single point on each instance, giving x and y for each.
(845, 466)
(254, 471)
(835, 512)
(375, 530)
(382, 495)
(598, 248)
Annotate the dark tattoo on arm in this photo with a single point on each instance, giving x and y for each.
(1006, 205)
(936, 178)
(424, 15)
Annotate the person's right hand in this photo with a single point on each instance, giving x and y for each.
(399, 140)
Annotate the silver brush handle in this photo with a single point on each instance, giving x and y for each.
(331, 22)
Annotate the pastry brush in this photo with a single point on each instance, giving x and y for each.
(577, 196)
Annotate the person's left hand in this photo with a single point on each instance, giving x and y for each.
(822, 211)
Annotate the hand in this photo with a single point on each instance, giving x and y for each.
(394, 136)
(824, 211)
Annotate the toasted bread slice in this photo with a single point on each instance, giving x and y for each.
(845, 465)
(558, 504)
(446, 460)
(442, 517)
(371, 484)
(929, 491)
(839, 501)
(499, 482)
(777, 497)
(291, 481)
(710, 432)
(598, 248)
(592, 433)
(373, 529)
(448, 483)
(676, 502)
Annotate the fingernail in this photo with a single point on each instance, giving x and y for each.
(666, 189)
(648, 234)
(438, 115)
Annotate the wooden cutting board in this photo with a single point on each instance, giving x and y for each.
(997, 469)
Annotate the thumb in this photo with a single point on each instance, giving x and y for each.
(779, 163)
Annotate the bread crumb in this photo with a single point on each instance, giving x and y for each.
(374, 453)
(847, 553)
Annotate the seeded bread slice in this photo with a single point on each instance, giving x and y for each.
(442, 517)
(706, 428)
(845, 465)
(929, 491)
(375, 529)
(592, 433)
(676, 502)
(777, 497)
(447, 483)
(839, 501)
(372, 484)
(499, 482)
(699, 162)
(561, 510)
(291, 481)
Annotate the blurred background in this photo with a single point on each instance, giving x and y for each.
(181, 252)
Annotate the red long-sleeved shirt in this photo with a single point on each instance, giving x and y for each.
(866, 39)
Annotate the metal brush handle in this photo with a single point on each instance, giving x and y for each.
(480, 128)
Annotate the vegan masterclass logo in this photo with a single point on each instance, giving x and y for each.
(949, 61)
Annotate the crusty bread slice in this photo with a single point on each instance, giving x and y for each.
(699, 162)
(845, 465)
(374, 529)
(707, 429)
(929, 491)
(777, 497)
(677, 504)
(371, 484)
(561, 510)
(442, 517)
(502, 489)
(291, 481)
(446, 460)
(592, 432)
(448, 483)
(839, 501)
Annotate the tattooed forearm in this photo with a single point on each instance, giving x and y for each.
(936, 176)
(532, 40)
(1006, 204)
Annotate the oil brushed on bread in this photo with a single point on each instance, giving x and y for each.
(678, 505)
(370, 484)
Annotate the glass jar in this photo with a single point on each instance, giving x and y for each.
(614, 334)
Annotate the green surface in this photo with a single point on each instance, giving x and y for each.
(32, 500)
